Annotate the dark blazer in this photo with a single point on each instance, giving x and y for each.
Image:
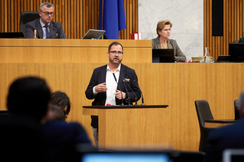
(99, 76)
(231, 136)
(241, 40)
(62, 139)
(56, 30)
(20, 135)
(179, 56)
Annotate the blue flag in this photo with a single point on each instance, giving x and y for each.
(112, 17)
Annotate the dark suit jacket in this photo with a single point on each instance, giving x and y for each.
(22, 135)
(179, 56)
(99, 76)
(241, 40)
(62, 139)
(56, 30)
(231, 136)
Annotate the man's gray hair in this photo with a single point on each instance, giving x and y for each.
(46, 4)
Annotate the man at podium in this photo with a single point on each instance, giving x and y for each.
(112, 84)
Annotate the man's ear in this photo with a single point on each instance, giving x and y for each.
(65, 108)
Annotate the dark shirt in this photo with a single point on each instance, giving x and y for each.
(62, 139)
(241, 40)
(22, 139)
(231, 136)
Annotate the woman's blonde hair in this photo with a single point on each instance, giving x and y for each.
(161, 25)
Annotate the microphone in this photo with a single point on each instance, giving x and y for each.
(120, 89)
(126, 91)
(142, 99)
(126, 80)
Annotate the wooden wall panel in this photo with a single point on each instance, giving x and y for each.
(77, 16)
(233, 26)
(181, 85)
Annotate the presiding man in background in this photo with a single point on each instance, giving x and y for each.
(45, 27)
(112, 84)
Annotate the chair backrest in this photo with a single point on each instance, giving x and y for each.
(203, 111)
(25, 17)
(237, 115)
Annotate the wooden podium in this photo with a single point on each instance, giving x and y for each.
(129, 127)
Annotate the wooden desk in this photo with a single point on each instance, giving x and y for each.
(217, 123)
(138, 126)
(71, 51)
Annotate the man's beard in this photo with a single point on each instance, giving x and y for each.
(116, 63)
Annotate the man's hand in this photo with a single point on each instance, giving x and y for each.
(118, 94)
(101, 87)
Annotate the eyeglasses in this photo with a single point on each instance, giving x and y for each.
(116, 52)
(49, 13)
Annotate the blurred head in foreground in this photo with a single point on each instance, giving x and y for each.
(29, 96)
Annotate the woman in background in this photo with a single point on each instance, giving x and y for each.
(61, 100)
(162, 41)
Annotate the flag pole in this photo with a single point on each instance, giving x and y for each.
(102, 16)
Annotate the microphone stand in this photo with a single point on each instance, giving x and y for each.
(122, 100)
(131, 90)
(142, 99)
(126, 81)
(127, 92)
